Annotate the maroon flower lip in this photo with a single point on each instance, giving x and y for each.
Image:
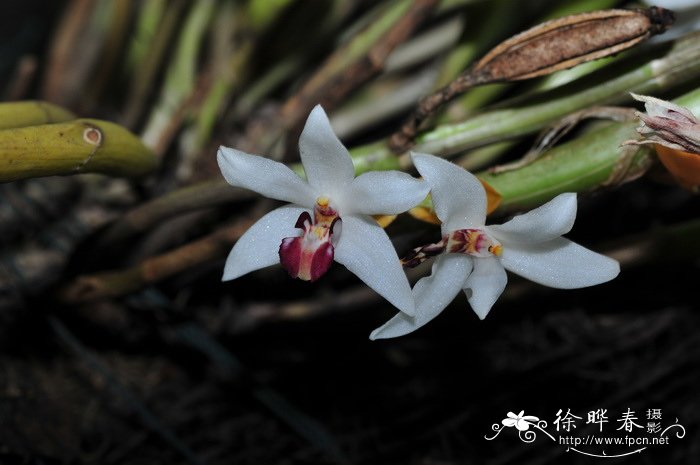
(309, 256)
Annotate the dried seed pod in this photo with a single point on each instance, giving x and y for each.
(566, 42)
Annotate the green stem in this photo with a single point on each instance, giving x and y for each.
(145, 32)
(78, 146)
(31, 113)
(180, 77)
(585, 163)
(145, 72)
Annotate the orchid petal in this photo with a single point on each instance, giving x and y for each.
(509, 422)
(264, 176)
(326, 161)
(559, 263)
(365, 250)
(458, 196)
(259, 246)
(485, 285)
(544, 223)
(385, 193)
(433, 293)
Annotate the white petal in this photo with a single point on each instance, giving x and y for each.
(259, 246)
(459, 198)
(486, 284)
(509, 422)
(264, 176)
(326, 161)
(544, 223)
(365, 249)
(385, 193)
(400, 325)
(559, 263)
(432, 293)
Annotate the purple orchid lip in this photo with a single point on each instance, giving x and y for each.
(309, 256)
(303, 262)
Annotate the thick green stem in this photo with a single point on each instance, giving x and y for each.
(583, 164)
(78, 146)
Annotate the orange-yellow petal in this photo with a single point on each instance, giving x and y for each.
(424, 213)
(684, 166)
(384, 220)
(493, 198)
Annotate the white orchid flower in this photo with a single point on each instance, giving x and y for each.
(474, 257)
(306, 237)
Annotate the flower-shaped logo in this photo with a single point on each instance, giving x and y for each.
(520, 421)
(329, 218)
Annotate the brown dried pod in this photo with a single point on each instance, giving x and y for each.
(566, 42)
(551, 46)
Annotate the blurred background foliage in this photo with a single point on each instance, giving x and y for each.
(119, 344)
